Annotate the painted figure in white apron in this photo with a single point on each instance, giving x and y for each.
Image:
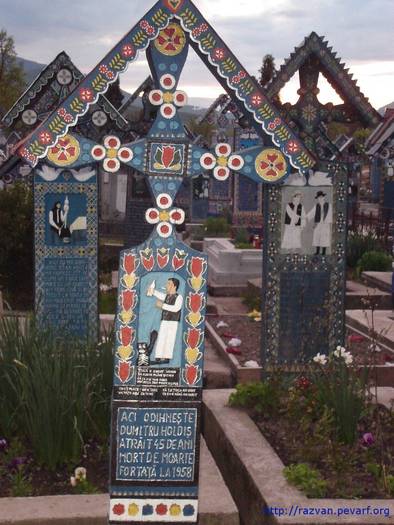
(295, 221)
(321, 213)
(170, 304)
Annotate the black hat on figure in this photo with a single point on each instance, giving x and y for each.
(320, 194)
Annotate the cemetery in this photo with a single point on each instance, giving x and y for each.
(196, 307)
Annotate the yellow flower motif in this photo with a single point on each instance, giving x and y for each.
(168, 97)
(175, 510)
(133, 509)
(222, 161)
(164, 215)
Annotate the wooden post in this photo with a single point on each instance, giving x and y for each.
(1, 304)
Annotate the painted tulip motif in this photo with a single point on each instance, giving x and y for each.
(193, 337)
(128, 299)
(133, 509)
(192, 374)
(178, 259)
(192, 355)
(124, 371)
(129, 280)
(163, 257)
(147, 259)
(194, 318)
(130, 263)
(197, 266)
(195, 302)
(125, 352)
(126, 335)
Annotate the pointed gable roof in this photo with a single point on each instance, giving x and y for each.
(44, 80)
(335, 71)
(213, 52)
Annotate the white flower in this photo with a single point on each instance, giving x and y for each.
(234, 342)
(80, 473)
(348, 358)
(320, 358)
(222, 324)
(340, 351)
(73, 481)
(104, 287)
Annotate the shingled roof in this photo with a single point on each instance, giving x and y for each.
(334, 70)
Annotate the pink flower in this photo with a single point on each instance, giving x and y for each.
(86, 94)
(368, 439)
(127, 50)
(219, 53)
(45, 137)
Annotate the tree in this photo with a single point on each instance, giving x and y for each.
(267, 70)
(12, 77)
(16, 244)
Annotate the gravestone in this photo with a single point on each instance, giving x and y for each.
(161, 302)
(65, 199)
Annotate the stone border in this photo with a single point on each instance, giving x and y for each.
(216, 506)
(253, 472)
(244, 374)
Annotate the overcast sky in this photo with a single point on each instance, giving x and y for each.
(360, 31)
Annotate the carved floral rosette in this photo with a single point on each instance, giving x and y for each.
(191, 267)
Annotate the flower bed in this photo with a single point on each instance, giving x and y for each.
(322, 423)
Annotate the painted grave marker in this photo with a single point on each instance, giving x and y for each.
(160, 318)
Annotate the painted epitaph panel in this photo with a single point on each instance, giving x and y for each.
(157, 383)
(66, 234)
(304, 265)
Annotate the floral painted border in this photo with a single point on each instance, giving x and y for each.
(211, 49)
(135, 264)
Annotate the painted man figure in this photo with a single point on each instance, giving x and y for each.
(295, 220)
(170, 304)
(321, 213)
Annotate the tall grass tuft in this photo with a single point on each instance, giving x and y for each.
(54, 391)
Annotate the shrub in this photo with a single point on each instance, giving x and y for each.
(262, 397)
(306, 479)
(16, 244)
(360, 242)
(217, 226)
(54, 391)
(374, 262)
(242, 236)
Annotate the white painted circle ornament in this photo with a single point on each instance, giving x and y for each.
(177, 216)
(222, 149)
(111, 165)
(208, 161)
(99, 118)
(152, 216)
(167, 81)
(180, 98)
(98, 152)
(64, 77)
(164, 201)
(164, 229)
(112, 142)
(221, 172)
(235, 162)
(125, 154)
(29, 117)
(156, 97)
(167, 111)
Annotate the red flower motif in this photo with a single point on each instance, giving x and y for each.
(191, 374)
(292, 146)
(45, 137)
(169, 39)
(195, 302)
(193, 337)
(86, 94)
(197, 266)
(168, 155)
(256, 99)
(126, 335)
(178, 259)
(148, 262)
(128, 50)
(128, 299)
(161, 509)
(219, 53)
(274, 124)
(129, 263)
(147, 27)
(118, 509)
(124, 370)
